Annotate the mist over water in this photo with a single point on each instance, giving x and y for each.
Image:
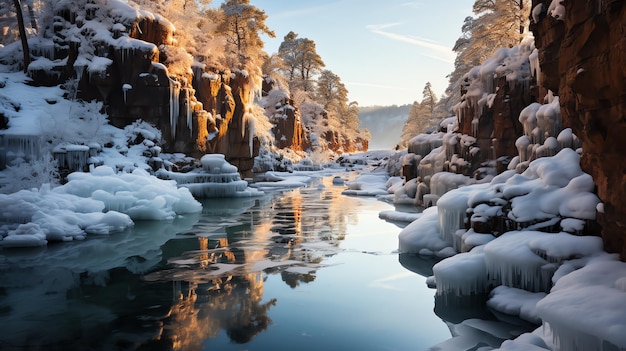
(385, 123)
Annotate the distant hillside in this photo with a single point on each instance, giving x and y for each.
(384, 123)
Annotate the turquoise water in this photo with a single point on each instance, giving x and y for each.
(305, 269)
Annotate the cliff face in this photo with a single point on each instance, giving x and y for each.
(197, 111)
(582, 55)
(496, 127)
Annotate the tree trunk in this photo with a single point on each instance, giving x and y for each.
(23, 38)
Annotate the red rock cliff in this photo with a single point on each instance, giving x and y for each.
(582, 55)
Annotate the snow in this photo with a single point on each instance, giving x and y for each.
(368, 184)
(562, 280)
(462, 274)
(101, 202)
(536, 12)
(423, 235)
(557, 10)
(397, 216)
(565, 281)
(586, 307)
(217, 178)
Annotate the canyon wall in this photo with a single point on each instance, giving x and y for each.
(495, 126)
(120, 56)
(199, 111)
(582, 55)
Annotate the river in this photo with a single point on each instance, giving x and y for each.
(301, 269)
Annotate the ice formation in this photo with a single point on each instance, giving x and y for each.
(552, 193)
(585, 309)
(371, 184)
(99, 202)
(217, 178)
(174, 106)
(423, 235)
(461, 274)
(72, 156)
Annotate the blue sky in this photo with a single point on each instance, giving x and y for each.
(383, 51)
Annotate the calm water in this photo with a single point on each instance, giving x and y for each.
(305, 269)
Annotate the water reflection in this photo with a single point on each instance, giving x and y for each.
(172, 285)
(45, 293)
(471, 324)
(223, 274)
(422, 265)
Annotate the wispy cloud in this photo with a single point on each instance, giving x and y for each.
(377, 86)
(444, 53)
(384, 282)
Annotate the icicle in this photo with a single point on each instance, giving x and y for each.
(252, 131)
(76, 157)
(535, 68)
(511, 262)
(522, 147)
(79, 70)
(25, 146)
(126, 54)
(125, 88)
(461, 275)
(247, 124)
(475, 123)
(174, 106)
(189, 112)
(451, 208)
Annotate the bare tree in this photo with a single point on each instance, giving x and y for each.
(22, 29)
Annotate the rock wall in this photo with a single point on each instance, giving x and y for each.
(496, 127)
(289, 132)
(119, 56)
(582, 54)
(200, 112)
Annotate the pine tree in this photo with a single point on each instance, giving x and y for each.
(429, 103)
(301, 59)
(351, 117)
(330, 90)
(241, 25)
(412, 125)
(288, 52)
(498, 24)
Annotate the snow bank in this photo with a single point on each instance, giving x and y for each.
(585, 309)
(368, 184)
(140, 195)
(99, 202)
(423, 235)
(217, 178)
(516, 302)
(540, 270)
(462, 274)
